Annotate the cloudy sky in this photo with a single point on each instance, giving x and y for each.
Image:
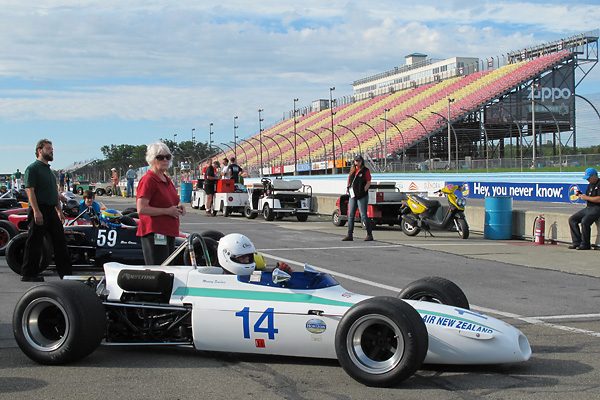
(89, 73)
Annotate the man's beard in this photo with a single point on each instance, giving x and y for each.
(47, 157)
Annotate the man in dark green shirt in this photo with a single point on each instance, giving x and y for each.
(45, 216)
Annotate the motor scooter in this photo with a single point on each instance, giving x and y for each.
(419, 213)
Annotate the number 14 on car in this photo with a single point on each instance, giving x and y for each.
(266, 318)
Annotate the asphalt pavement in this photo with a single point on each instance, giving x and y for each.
(548, 291)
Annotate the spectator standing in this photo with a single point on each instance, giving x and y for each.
(224, 168)
(359, 181)
(45, 215)
(158, 206)
(17, 179)
(61, 180)
(114, 181)
(131, 176)
(210, 178)
(68, 181)
(588, 215)
(234, 171)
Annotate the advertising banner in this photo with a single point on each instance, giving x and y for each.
(304, 167)
(546, 192)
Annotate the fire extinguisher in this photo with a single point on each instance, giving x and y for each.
(539, 227)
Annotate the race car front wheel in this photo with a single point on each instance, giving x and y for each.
(435, 290)
(381, 341)
(60, 322)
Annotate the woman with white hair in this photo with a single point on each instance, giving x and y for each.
(158, 206)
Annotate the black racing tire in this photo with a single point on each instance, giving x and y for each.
(16, 248)
(248, 213)
(129, 210)
(268, 213)
(408, 229)
(59, 322)
(213, 234)
(212, 246)
(302, 217)
(7, 231)
(80, 191)
(435, 289)
(128, 220)
(463, 228)
(381, 341)
(99, 192)
(336, 219)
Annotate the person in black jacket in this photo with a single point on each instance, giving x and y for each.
(359, 182)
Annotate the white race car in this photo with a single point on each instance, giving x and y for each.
(379, 341)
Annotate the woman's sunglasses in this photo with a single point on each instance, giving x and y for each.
(161, 157)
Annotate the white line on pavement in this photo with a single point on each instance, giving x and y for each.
(530, 320)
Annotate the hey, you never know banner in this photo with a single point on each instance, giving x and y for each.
(550, 192)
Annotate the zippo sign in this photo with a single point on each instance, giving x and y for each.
(548, 192)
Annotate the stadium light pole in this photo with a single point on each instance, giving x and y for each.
(428, 140)
(533, 87)
(339, 140)
(403, 145)
(322, 141)
(241, 148)
(385, 152)
(292, 145)
(487, 147)
(261, 145)
(280, 153)
(256, 151)
(295, 143)
(357, 140)
(520, 133)
(373, 129)
(174, 136)
(455, 137)
(309, 155)
(334, 170)
(193, 129)
(450, 101)
(557, 131)
(260, 120)
(235, 135)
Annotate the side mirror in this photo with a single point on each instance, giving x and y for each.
(280, 276)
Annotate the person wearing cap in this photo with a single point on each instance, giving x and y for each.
(131, 176)
(359, 182)
(588, 215)
(115, 181)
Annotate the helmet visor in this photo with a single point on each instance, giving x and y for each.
(243, 259)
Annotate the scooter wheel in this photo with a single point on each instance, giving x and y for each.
(408, 229)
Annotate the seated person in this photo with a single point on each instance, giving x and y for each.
(88, 201)
(236, 254)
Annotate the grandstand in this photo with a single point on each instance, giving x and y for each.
(455, 109)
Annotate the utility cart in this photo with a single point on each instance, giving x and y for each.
(384, 207)
(277, 198)
(230, 197)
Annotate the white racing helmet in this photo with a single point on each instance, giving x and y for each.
(232, 252)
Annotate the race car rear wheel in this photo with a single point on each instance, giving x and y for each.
(60, 322)
(16, 249)
(302, 217)
(435, 289)
(381, 341)
(408, 229)
(268, 213)
(336, 219)
(7, 232)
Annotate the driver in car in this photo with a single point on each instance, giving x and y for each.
(237, 255)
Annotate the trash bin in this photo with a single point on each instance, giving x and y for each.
(498, 218)
(186, 192)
